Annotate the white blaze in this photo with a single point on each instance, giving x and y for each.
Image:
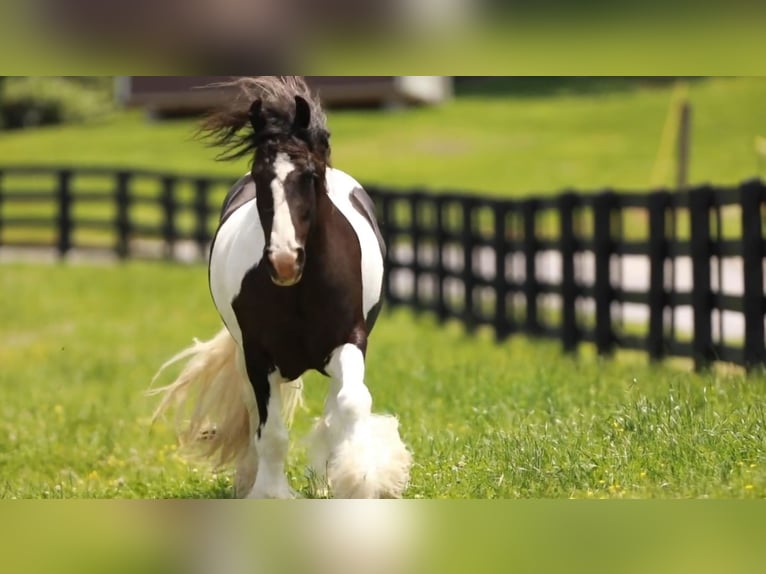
(282, 229)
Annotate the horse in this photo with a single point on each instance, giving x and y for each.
(295, 271)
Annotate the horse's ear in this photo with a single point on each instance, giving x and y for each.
(256, 117)
(302, 114)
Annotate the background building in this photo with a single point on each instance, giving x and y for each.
(181, 94)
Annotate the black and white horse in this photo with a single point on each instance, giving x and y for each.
(296, 271)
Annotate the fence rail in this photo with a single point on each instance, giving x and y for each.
(669, 273)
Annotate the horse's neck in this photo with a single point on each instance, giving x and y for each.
(324, 223)
(326, 236)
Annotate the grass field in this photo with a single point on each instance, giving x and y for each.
(79, 344)
(539, 137)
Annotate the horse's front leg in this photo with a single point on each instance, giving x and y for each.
(361, 454)
(270, 434)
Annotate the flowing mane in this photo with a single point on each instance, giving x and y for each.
(230, 127)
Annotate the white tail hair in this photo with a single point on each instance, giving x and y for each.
(214, 386)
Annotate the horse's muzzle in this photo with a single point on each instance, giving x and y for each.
(286, 268)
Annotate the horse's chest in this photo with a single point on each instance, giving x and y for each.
(295, 347)
(295, 329)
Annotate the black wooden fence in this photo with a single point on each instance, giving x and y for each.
(669, 273)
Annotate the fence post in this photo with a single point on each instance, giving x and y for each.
(168, 201)
(385, 212)
(684, 145)
(382, 200)
(603, 204)
(752, 200)
(201, 212)
(531, 289)
(658, 251)
(122, 222)
(502, 325)
(64, 212)
(569, 331)
(415, 234)
(699, 212)
(441, 245)
(469, 282)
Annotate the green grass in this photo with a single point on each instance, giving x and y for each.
(533, 140)
(78, 345)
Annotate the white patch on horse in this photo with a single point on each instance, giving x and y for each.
(339, 188)
(282, 229)
(352, 398)
(271, 447)
(361, 454)
(238, 248)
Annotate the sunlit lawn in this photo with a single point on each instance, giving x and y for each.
(79, 344)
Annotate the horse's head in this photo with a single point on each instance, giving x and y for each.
(289, 173)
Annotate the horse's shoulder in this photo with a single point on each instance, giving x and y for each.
(239, 194)
(345, 189)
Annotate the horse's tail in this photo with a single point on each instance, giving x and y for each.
(214, 402)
